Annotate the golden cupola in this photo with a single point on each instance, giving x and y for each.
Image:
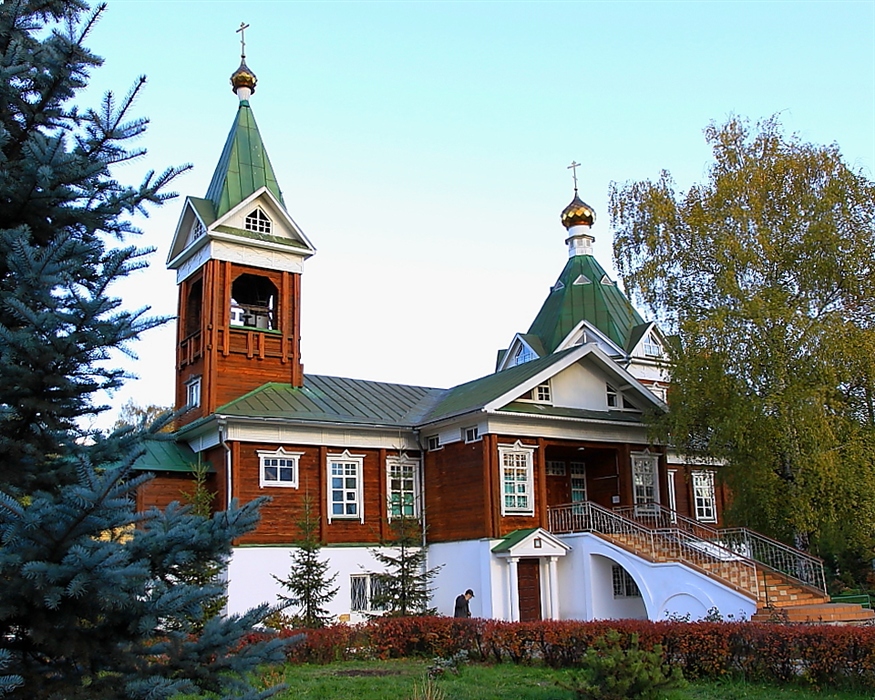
(578, 213)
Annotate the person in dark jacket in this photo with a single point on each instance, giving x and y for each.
(462, 609)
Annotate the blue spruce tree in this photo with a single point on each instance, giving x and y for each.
(96, 599)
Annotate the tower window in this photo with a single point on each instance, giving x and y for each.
(253, 302)
(258, 221)
(652, 348)
(193, 307)
(193, 392)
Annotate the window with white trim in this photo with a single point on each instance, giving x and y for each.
(257, 221)
(363, 588)
(516, 479)
(704, 501)
(471, 434)
(624, 584)
(555, 468)
(193, 392)
(652, 348)
(644, 482)
(434, 442)
(402, 485)
(345, 487)
(542, 393)
(611, 395)
(578, 482)
(278, 468)
(522, 355)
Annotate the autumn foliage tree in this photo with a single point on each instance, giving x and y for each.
(765, 275)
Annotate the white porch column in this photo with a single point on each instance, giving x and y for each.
(553, 577)
(513, 580)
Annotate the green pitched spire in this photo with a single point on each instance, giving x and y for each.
(243, 166)
(584, 292)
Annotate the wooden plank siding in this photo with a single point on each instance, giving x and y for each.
(280, 517)
(509, 523)
(456, 492)
(234, 360)
(167, 487)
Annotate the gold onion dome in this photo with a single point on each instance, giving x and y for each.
(578, 213)
(243, 77)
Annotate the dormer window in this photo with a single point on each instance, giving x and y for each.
(197, 230)
(611, 394)
(652, 348)
(258, 221)
(542, 393)
(522, 355)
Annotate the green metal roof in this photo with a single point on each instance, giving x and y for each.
(513, 538)
(254, 235)
(579, 294)
(337, 400)
(536, 409)
(204, 208)
(165, 456)
(479, 392)
(243, 166)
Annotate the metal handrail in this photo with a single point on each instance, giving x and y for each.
(662, 544)
(794, 563)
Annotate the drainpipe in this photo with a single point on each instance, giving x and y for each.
(224, 443)
(418, 435)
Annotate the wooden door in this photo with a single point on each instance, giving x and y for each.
(529, 587)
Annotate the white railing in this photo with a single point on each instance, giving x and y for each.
(656, 544)
(793, 563)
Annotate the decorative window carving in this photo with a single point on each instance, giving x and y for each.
(258, 222)
(279, 468)
(345, 487)
(402, 475)
(516, 479)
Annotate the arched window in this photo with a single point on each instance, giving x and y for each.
(253, 302)
(258, 221)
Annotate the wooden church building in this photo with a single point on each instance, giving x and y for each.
(536, 484)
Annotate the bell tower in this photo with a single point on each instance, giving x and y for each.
(238, 258)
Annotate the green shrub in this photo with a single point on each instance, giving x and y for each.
(611, 672)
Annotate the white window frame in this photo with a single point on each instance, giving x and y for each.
(672, 495)
(258, 222)
(471, 433)
(293, 459)
(402, 462)
(704, 495)
(522, 355)
(578, 481)
(433, 443)
(193, 392)
(368, 583)
(644, 465)
(543, 393)
(555, 467)
(351, 468)
(651, 346)
(611, 393)
(516, 463)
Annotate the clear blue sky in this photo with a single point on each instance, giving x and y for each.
(423, 146)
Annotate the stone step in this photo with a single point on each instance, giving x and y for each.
(821, 613)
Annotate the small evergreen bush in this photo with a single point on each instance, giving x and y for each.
(610, 672)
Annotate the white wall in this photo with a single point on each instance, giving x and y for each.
(585, 589)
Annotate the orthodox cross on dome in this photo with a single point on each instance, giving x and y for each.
(241, 31)
(573, 168)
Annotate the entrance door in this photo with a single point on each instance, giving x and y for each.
(529, 587)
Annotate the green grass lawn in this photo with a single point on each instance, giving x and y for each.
(394, 680)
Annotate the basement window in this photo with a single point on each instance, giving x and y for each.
(624, 584)
(258, 222)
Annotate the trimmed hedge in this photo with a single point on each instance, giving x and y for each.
(816, 654)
